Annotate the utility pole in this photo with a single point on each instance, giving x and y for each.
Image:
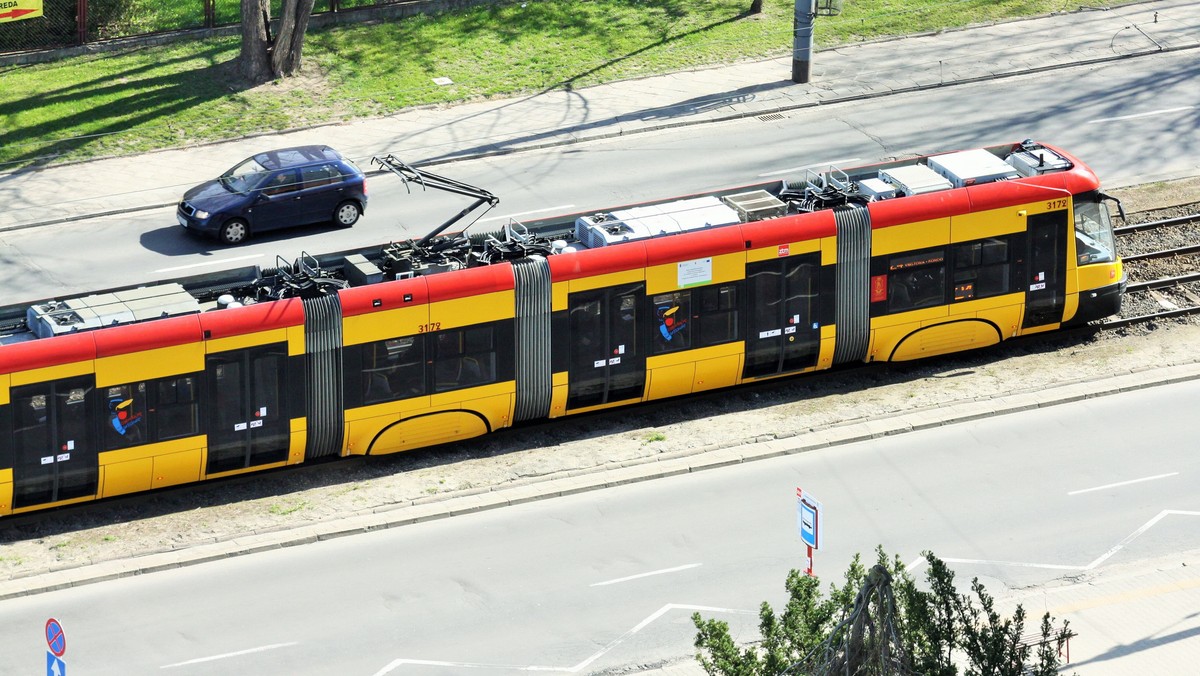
(802, 40)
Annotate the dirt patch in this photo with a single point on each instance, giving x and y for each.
(187, 516)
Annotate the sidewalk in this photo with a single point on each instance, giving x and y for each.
(432, 135)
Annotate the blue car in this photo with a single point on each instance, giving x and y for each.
(276, 189)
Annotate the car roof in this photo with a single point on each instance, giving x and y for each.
(294, 157)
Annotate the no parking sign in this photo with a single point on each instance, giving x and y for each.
(56, 640)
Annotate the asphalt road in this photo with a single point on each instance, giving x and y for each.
(607, 580)
(1123, 118)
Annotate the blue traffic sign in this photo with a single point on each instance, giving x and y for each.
(55, 637)
(806, 516)
(55, 666)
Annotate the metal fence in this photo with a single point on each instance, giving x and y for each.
(72, 23)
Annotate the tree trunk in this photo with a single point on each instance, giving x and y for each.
(255, 61)
(756, 7)
(285, 60)
(265, 58)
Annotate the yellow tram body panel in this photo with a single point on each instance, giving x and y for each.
(383, 428)
(50, 373)
(140, 468)
(769, 253)
(459, 312)
(558, 398)
(605, 281)
(149, 365)
(910, 237)
(247, 340)
(377, 326)
(1098, 276)
(298, 435)
(665, 278)
(6, 490)
(688, 371)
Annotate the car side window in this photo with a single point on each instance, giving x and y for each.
(316, 176)
(283, 182)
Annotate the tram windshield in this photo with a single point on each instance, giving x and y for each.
(1094, 241)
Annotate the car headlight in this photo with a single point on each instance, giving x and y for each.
(201, 214)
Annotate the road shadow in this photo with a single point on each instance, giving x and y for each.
(173, 240)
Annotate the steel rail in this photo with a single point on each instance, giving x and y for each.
(1163, 282)
(1180, 251)
(1165, 314)
(1150, 225)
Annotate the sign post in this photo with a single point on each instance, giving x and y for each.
(56, 641)
(808, 523)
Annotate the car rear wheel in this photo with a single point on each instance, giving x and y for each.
(235, 231)
(346, 214)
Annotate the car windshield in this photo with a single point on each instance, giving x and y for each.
(244, 177)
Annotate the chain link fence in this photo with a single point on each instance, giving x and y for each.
(71, 23)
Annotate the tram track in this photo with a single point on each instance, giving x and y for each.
(1162, 264)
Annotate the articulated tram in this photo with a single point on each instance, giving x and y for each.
(452, 336)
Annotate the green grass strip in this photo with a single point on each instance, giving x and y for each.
(188, 92)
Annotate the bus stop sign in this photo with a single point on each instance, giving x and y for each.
(808, 518)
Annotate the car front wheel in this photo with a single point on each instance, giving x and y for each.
(235, 231)
(346, 214)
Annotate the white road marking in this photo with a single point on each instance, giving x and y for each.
(563, 207)
(1164, 111)
(1099, 560)
(1015, 564)
(219, 261)
(1132, 536)
(810, 166)
(1123, 483)
(394, 664)
(221, 657)
(640, 575)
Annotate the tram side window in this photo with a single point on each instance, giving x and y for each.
(718, 314)
(177, 410)
(981, 269)
(697, 318)
(464, 358)
(125, 422)
(152, 411)
(672, 321)
(1094, 242)
(917, 280)
(393, 369)
(31, 432)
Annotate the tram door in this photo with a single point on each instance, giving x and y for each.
(247, 422)
(607, 361)
(56, 456)
(1047, 270)
(784, 334)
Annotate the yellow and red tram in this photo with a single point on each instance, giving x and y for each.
(424, 342)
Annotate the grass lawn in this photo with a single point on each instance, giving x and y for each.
(173, 95)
